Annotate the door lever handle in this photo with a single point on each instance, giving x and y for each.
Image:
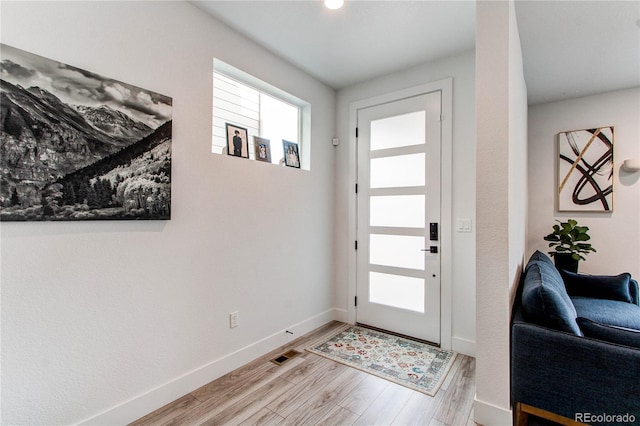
(432, 249)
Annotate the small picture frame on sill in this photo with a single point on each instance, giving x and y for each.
(262, 148)
(237, 141)
(291, 154)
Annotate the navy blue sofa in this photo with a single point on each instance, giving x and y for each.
(575, 346)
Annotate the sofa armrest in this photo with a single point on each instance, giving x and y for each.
(567, 374)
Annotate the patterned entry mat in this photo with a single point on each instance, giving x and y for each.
(409, 363)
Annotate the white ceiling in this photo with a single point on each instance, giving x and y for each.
(570, 48)
(364, 39)
(577, 48)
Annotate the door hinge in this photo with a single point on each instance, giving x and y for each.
(356, 244)
(356, 188)
(355, 301)
(441, 118)
(356, 132)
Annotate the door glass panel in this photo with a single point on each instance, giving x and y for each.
(396, 250)
(401, 130)
(397, 171)
(405, 211)
(397, 291)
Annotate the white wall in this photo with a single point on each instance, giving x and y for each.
(615, 235)
(501, 110)
(99, 314)
(461, 68)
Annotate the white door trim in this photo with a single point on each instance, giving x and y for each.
(446, 229)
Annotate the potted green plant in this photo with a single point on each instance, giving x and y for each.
(568, 241)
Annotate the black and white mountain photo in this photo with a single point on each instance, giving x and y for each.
(78, 146)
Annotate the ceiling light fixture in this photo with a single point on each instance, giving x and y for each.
(333, 4)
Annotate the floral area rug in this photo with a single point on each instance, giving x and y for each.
(416, 365)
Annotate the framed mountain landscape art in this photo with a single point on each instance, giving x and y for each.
(75, 145)
(585, 170)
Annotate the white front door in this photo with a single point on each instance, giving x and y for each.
(398, 259)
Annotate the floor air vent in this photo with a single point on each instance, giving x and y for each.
(285, 357)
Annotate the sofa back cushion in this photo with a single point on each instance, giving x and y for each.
(598, 286)
(545, 300)
(539, 256)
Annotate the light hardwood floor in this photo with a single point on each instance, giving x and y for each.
(312, 390)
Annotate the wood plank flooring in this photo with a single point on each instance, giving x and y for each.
(312, 390)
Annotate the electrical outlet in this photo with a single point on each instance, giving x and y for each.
(233, 319)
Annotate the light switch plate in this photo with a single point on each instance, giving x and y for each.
(233, 319)
(463, 225)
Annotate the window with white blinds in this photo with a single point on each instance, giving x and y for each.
(261, 113)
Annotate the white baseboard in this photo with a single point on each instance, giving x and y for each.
(487, 414)
(153, 399)
(463, 346)
(340, 315)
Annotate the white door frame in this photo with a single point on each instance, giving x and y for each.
(446, 86)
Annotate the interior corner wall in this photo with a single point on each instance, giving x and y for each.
(518, 143)
(615, 235)
(461, 68)
(501, 110)
(106, 321)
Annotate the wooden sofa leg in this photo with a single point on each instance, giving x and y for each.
(523, 411)
(522, 417)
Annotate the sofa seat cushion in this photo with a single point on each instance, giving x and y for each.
(545, 300)
(608, 312)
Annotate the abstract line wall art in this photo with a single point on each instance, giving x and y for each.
(585, 170)
(75, 145)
